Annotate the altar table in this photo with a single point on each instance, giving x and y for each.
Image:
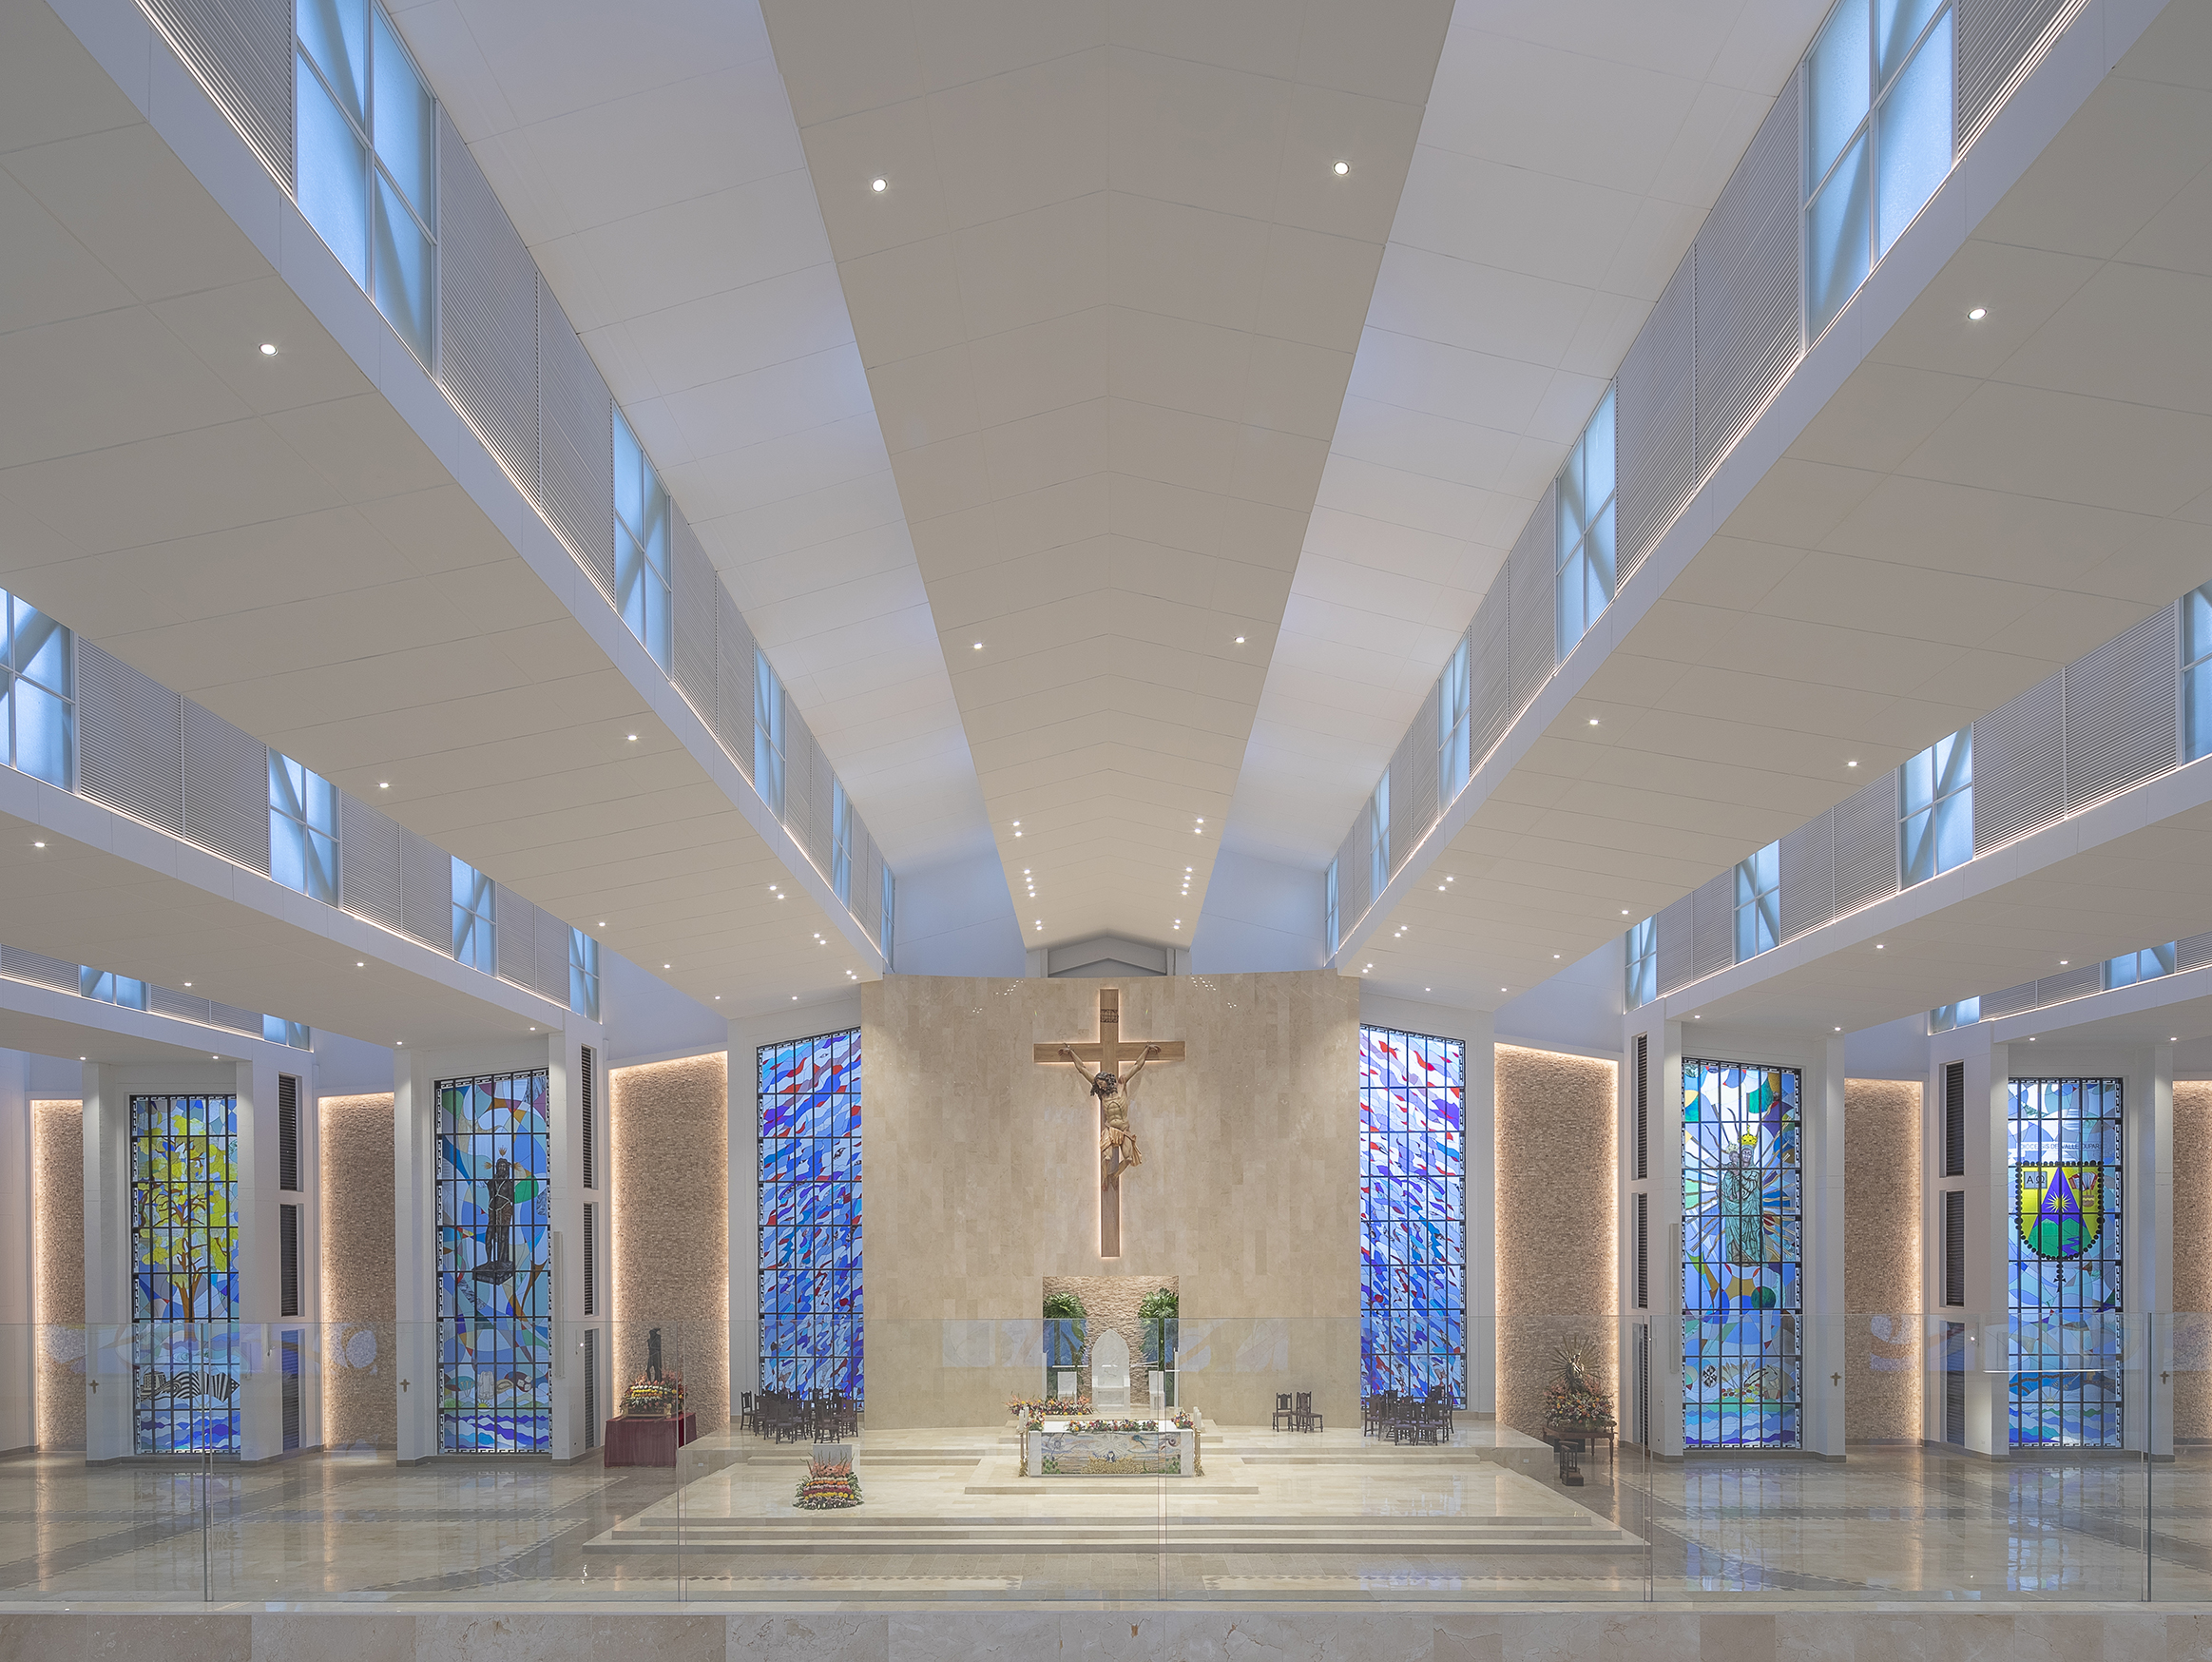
(1057, 1452)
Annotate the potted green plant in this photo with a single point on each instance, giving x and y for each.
(1064, 1320)
(1159, 1314)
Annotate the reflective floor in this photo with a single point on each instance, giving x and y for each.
(1279, 1518)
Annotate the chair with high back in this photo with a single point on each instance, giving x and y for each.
(1303, 1417)
(745, 1411)
(1285, 1417)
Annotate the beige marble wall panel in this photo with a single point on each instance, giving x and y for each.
(2193, 1257)
(982, 1180)
(1555, 1230)
(669, 1123)
(360, 1397)
(57, 1154)
(1883, 1292)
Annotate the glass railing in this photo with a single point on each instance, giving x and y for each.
(1911, 1457)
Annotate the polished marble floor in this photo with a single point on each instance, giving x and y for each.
(1275, 1518)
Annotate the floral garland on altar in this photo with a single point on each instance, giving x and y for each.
(1047, 1407)
(1182, 1421)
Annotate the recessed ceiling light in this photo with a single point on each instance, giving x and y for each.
(667, 966)
(1555, 955)
(2062, 963)
(38, 845)
(1202, 818)
(633, 738)
(1975, 316)
(1623, 910)
(1501, 989)
(360, 963)
(1851, 764)
(875, 184)
(1877, 946)
(1342, 169)
(187, 983)
(268, 349)
(718, 997)
(1593, 721)
(383, 784)
(1697, 1018)
(603, 923)
(979, 645)
(1240, 640)
(795, 998)
(1838, 1029)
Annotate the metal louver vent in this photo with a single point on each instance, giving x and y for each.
(552, 957)
(426, 891)
(291, 1346)
(1749, 336)
(2193, 951)
(39, 970)
(1954, 1248)
(1643, 1250)
(1954, 1119)
(488, 313)
(2121, 725)
(1488, 692)
(1413, 783)
(515, 940)
(575, 444)
(734, 652)
(226, 789)
(240, 51)
(1866, 845)
(1808, 876)
(288, 1137)
(1676, 953)
(369, 864)
(590, 1259)
(2020, 764)
(181, 1006)
(1998, 43)
(130, 741)
(1641, 1154)
(2078, 983)
(288, 1266)
(590, 1117)
(697, 592)
(2010, 1002)
(1351, 874)
(590, 1387)
(1532, 625)
(1713, 921)
(232, 1020)
(1655, 411)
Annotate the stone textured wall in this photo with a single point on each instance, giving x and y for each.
(2193, 1260)
(670, 1125)
(57, 1154)
(982, 1180)
(1113, 1301)
(1882, 1290)
(1556, 1238)
(360, 1395)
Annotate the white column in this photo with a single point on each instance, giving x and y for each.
(1658, 1319)
(18, 1428)
(414, 1216)
(107, 1265)
(1824, 1376)
(1479, 1106)
(258, 1257)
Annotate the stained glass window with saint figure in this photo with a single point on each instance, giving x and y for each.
(496, 1294)
(1741, 1243)
(810, 1215)
(1413, 1213)
(184, 1228)
(2064, 1157)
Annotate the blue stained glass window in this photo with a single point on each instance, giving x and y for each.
(583, 975)
(303, 829)
(1759, 922)
(1586, 514)
(1454, 736)
(1935, 812)
(1413, 1213)
(184, 1235)
(1741, 1217)
(810, 1215)
(37, 693)
(2063, 1139)
(473, 918)
(496, 1292)
(1643, 963)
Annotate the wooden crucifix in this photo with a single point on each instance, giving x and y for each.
(1100, 1065)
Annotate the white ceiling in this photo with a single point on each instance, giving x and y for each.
(647, 155)
(1566, 158)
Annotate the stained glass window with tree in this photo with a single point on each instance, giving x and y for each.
(184, 1287)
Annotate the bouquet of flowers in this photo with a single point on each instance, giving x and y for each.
(1047, 1407)
(830, 1484)
(1577, 1405)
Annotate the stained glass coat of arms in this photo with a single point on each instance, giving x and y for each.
(496, 1295)
(1741, 1220)
(2064, 1154)
(184, 1287)
(1413, 1213)
(810, 1215)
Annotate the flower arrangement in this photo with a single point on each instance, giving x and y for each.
(1577, 1399)
(830, 1484)
(1180, 1422)
(1047, 1407)
(655, 1398)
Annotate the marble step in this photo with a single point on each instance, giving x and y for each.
(819, 1534)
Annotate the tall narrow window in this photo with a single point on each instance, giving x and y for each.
(38, 690)
(1329, 909)
(1453, 705)
(2197, 670)
(1759, 886)
(495, 1272)
(840, 841)
(1643, 963)
(184, 1286)
(2067, 1327)
(1413, 1213)
(473, 920)
(767, 734)
(583, 975)
(641, 533)
(810, 1215)
(1945, 1017)
(1379, 840)
(1584, 585)
(1878, 139)
(1741, 1206)
(1935, 808)
(303, 830)
(367, 157)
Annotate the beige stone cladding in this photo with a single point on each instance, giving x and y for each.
(982, 1179)
(670, 1125)
(1113, 1301)
(361, 1398)
(57, 1154)
(2192, 1239)
(1881, 1259)
(1555, 1224)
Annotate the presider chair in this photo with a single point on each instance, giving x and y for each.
(1303, 1417)
(1285, 1416)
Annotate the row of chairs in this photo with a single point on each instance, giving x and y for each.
(1299, 1417)
(796, 1416)
(1407, 1418)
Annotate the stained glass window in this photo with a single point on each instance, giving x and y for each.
(496, 1294)
(1740, 1226)
(184, 1333)
(2063, 1150)
(810, 1214)
(1413, 1213)
(1936, 824)
(1642, 954)
(1758, 919)
(1587, 512)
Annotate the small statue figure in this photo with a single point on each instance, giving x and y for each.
(653, 1357)
(1112, 1091)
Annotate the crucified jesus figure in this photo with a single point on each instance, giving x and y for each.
(1112, 1091)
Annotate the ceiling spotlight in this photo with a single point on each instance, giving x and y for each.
(602, 921)
(1974, 317)
(1838, 1029)
(38, 845)
(1501, 989)
(383, 784)
(795, 998)
(876, 186)
(667, 966)
(718, 997)
(979, 645)
(1342, 169)
(1623, 910)
(1240, 640)
(1877, 946)
(1555, 955)
(2062, 963)
(1017, 822)
(1851, 764)
(633, 738)
(187, 983)
(1593, 721)
(268, 349)
(360, 963)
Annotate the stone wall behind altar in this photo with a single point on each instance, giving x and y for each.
(669, 1123)
(982, 1180)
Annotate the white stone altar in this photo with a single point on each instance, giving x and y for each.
(1159, 1448)
(1110, 1371)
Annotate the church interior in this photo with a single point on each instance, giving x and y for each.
(825, 700)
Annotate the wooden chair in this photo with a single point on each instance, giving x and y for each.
(745, 1411)
(1285, 1416)
(1303, 1417)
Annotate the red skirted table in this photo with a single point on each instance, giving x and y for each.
(646, 1440)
